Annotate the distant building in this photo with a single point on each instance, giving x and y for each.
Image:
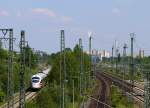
(99, 55)
(103, 54)
(141, 53)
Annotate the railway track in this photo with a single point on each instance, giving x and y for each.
(136, 93)
(99, 97)
(103, 92)
(29, 95)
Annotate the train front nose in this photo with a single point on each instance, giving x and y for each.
(36, 82)
(36, 85)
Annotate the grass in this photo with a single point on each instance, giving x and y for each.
(118, 100)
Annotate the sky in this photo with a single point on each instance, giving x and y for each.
(108, 20)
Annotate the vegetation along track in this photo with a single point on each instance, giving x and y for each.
(137, 93)
(29, 95)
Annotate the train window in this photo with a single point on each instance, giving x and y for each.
(35, 79)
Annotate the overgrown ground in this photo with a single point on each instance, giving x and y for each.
(118, 99)
(49, 97)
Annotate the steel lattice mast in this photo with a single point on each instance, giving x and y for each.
(132, 35)
(10, 81)
(10, 90)
(112, 57)
(63, 74)
(90, 55)
(22, 71)
(147, 89)
(81, 66)
(124, 59)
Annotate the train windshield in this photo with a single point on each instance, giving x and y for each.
(35, 79)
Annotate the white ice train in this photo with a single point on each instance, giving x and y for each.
(37, 79)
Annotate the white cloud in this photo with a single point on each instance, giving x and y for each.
(50, 13)
(115, 10)
(4, 13)
(67, 19)
(44, 11)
